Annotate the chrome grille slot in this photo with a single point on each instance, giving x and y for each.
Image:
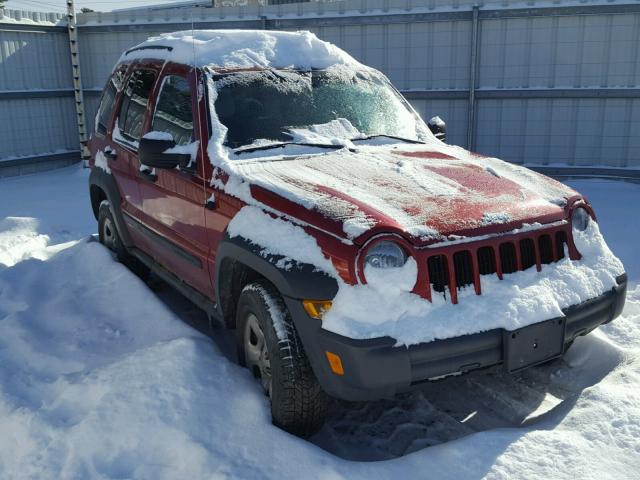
(527, 253)
(546, 249)
(486, 261)
(561, 241)
(462, 263)
(438, 272)
(508, 258)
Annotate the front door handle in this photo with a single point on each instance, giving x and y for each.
(148, 175)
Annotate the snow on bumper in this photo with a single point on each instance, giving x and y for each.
(520, 299)
(377, 368)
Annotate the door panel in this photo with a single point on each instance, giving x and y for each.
(173, 201)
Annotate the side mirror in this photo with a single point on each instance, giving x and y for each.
(153, 151)
(438, 128)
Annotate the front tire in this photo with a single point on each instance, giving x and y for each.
(269, 346)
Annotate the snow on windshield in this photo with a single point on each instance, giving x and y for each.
(274, 105)
(335, 132)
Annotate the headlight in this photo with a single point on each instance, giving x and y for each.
(385, 254)
(580, 219)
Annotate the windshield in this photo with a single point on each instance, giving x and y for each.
(279, 106)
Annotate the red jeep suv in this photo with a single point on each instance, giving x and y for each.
(294, 195)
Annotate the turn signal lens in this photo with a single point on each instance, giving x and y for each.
(335, 363)
(315, 308)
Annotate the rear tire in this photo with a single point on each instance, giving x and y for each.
(269, 346)
(108, 233)
(110, 237)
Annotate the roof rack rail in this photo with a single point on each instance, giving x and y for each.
(149, 47)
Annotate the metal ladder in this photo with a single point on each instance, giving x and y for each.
(77, 82)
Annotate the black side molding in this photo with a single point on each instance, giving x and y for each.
(185, 289)
(160, 240)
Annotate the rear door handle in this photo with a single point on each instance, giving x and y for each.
(148, 175)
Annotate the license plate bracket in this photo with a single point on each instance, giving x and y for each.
(534, 344)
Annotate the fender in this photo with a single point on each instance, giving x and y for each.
(291, 278)
(107, 183)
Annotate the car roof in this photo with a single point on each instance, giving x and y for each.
(233, 50)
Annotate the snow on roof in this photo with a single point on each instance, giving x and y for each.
(243, 49)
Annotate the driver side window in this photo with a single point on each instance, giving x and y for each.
(173, 111)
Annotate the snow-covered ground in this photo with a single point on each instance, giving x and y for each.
(104, 376)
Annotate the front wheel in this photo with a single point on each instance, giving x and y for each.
(269, 346)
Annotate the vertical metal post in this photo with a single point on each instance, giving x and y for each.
(77, 82)
(471, 123)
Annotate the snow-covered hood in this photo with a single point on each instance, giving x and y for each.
(430, 193)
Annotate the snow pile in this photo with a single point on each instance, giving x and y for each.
(244, 49)
(98, 379)
(19, 239)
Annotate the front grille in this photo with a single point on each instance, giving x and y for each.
(453, 268)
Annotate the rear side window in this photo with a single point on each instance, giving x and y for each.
(173, 112)
(109, 99)
(134, 103)
(106, 109)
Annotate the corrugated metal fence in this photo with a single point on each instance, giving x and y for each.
(540, 83)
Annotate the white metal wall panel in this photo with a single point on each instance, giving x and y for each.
(574, 52)
(37, 126)
(34, 60)
(100, 51)
(571, 131)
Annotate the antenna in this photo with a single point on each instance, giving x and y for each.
(198, 91)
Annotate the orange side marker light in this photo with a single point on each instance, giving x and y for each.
(335, 363)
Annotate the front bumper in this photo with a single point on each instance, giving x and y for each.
(376, 369)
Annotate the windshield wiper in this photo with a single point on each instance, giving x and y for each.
(284, 144)
(393, 137)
